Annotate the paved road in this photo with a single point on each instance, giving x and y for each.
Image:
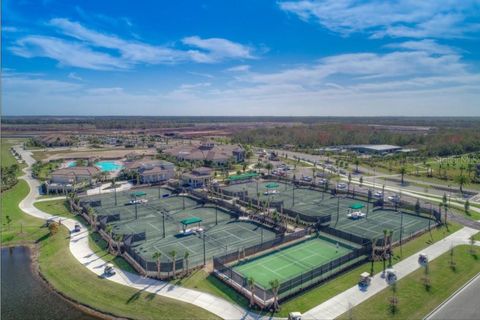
(463, 305)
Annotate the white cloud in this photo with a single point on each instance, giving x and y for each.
(426, 45)
(407, 18)
(91, 49)
(74, 76)
(240, 68)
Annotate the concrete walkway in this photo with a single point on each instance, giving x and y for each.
(328, 310)
(81, 251)
(341, 303)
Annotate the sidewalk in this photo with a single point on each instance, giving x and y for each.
(341, 303)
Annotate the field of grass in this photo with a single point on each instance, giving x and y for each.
(95, 241)
(67, 275)
(329, 289)
(7, 159)
(414, 301)
(22, 229)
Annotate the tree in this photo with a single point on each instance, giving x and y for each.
(445, 207)
(467, 206)
(384, 248)
(109, 230)
(402, 172)
(53, 227)
(451, 262)
(417, 207)
(356, 162)
(269, 167)
(173, 254)
(118, 242)
(361, 181)
(157, 256)
(186, 255)
(393, 299)
(251, 287)
(275, 285)
(472, 245)
(462, 180)
(426, 278)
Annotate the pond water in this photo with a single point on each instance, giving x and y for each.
(25, 296)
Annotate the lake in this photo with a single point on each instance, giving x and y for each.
(25, 296)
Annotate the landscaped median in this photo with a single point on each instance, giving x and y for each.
(414, 300)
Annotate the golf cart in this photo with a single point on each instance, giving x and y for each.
(422, 259)
(109, 270)
(364, 280)
(390, 276)
(77, 227)
(294, 316)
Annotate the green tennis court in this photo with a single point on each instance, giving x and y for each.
(292, 261)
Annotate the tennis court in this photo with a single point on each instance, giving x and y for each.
(159, 217)
(292, 261)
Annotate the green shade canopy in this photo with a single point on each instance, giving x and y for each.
(191, 220)
(271, 185)
(357, 205)
(243, 176)
(138, 194)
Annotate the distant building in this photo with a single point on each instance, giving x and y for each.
(67, 179)
(54, 140)
(152, 171)
(209, 153)
(198, 178)
(374, 148)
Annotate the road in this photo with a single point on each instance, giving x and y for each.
(463, 305)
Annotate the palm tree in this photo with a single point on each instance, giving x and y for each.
(269, 167)
(445, 207)
(185, 257)
(118, 242)
(251, 287)
(402, 172)
(109, 230)
(356, 162)
(92, 215)
(157, 255)
(275, 285)
(462, 180)
(390, 253)
(173, 254)
(384, 247)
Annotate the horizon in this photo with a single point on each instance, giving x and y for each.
(284, 58)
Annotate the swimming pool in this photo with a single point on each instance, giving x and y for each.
(71, 164)
(108, 165)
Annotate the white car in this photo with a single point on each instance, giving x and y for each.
(341, 186)
(378, 195)
(322, 181)
(307, 178)
(394, 198)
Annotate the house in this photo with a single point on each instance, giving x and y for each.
(67, 179)
(152, 171)
(208, 153)
(198, 178)
(54, 140)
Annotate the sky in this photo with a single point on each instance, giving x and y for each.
(248, 58)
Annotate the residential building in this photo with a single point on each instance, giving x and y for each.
(198, 178)
(152, 171)
(208, 153)
(67, 179)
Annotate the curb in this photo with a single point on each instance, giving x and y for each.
(451, 296)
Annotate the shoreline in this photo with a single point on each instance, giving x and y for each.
(34, 252)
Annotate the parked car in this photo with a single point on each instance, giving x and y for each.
(307, 178)
(294, 316)
(395, 198)
(378, 195)
(322, 181)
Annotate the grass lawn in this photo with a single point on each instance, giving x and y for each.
(477, 236)
(7, 159)
(327, 290)
(95, 241)
(67, 275)
(23, 228)
(414, 301)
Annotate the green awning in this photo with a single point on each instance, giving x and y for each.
(243, 176)
(357, 206)
(272, 185)
(191, 220)
(138, 194)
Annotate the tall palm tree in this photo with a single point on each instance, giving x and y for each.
(390, 236)
(462, 180)
(109, 230)
(275, 285)
(185, 257)
(118, 242)
(384, 247)
(157, 255)
(402, 172)
(251, 287)
(356, 162)
(173, 254)
(93, 217)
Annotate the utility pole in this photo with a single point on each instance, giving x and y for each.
(204, 251)
(163, 224)
(136, 210)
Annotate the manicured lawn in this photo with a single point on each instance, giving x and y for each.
(202, 281)
(22, 228)
(96, 242)
(414, 301)
(321, 293)
(7, 159)
(67, 275)
(477, 236)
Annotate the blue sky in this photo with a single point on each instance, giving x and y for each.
(324, 58)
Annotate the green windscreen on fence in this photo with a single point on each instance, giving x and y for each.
(191, 220)
(357, 206)
(243, 176)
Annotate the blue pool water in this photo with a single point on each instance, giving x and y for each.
(108, 166)
(71, 164)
